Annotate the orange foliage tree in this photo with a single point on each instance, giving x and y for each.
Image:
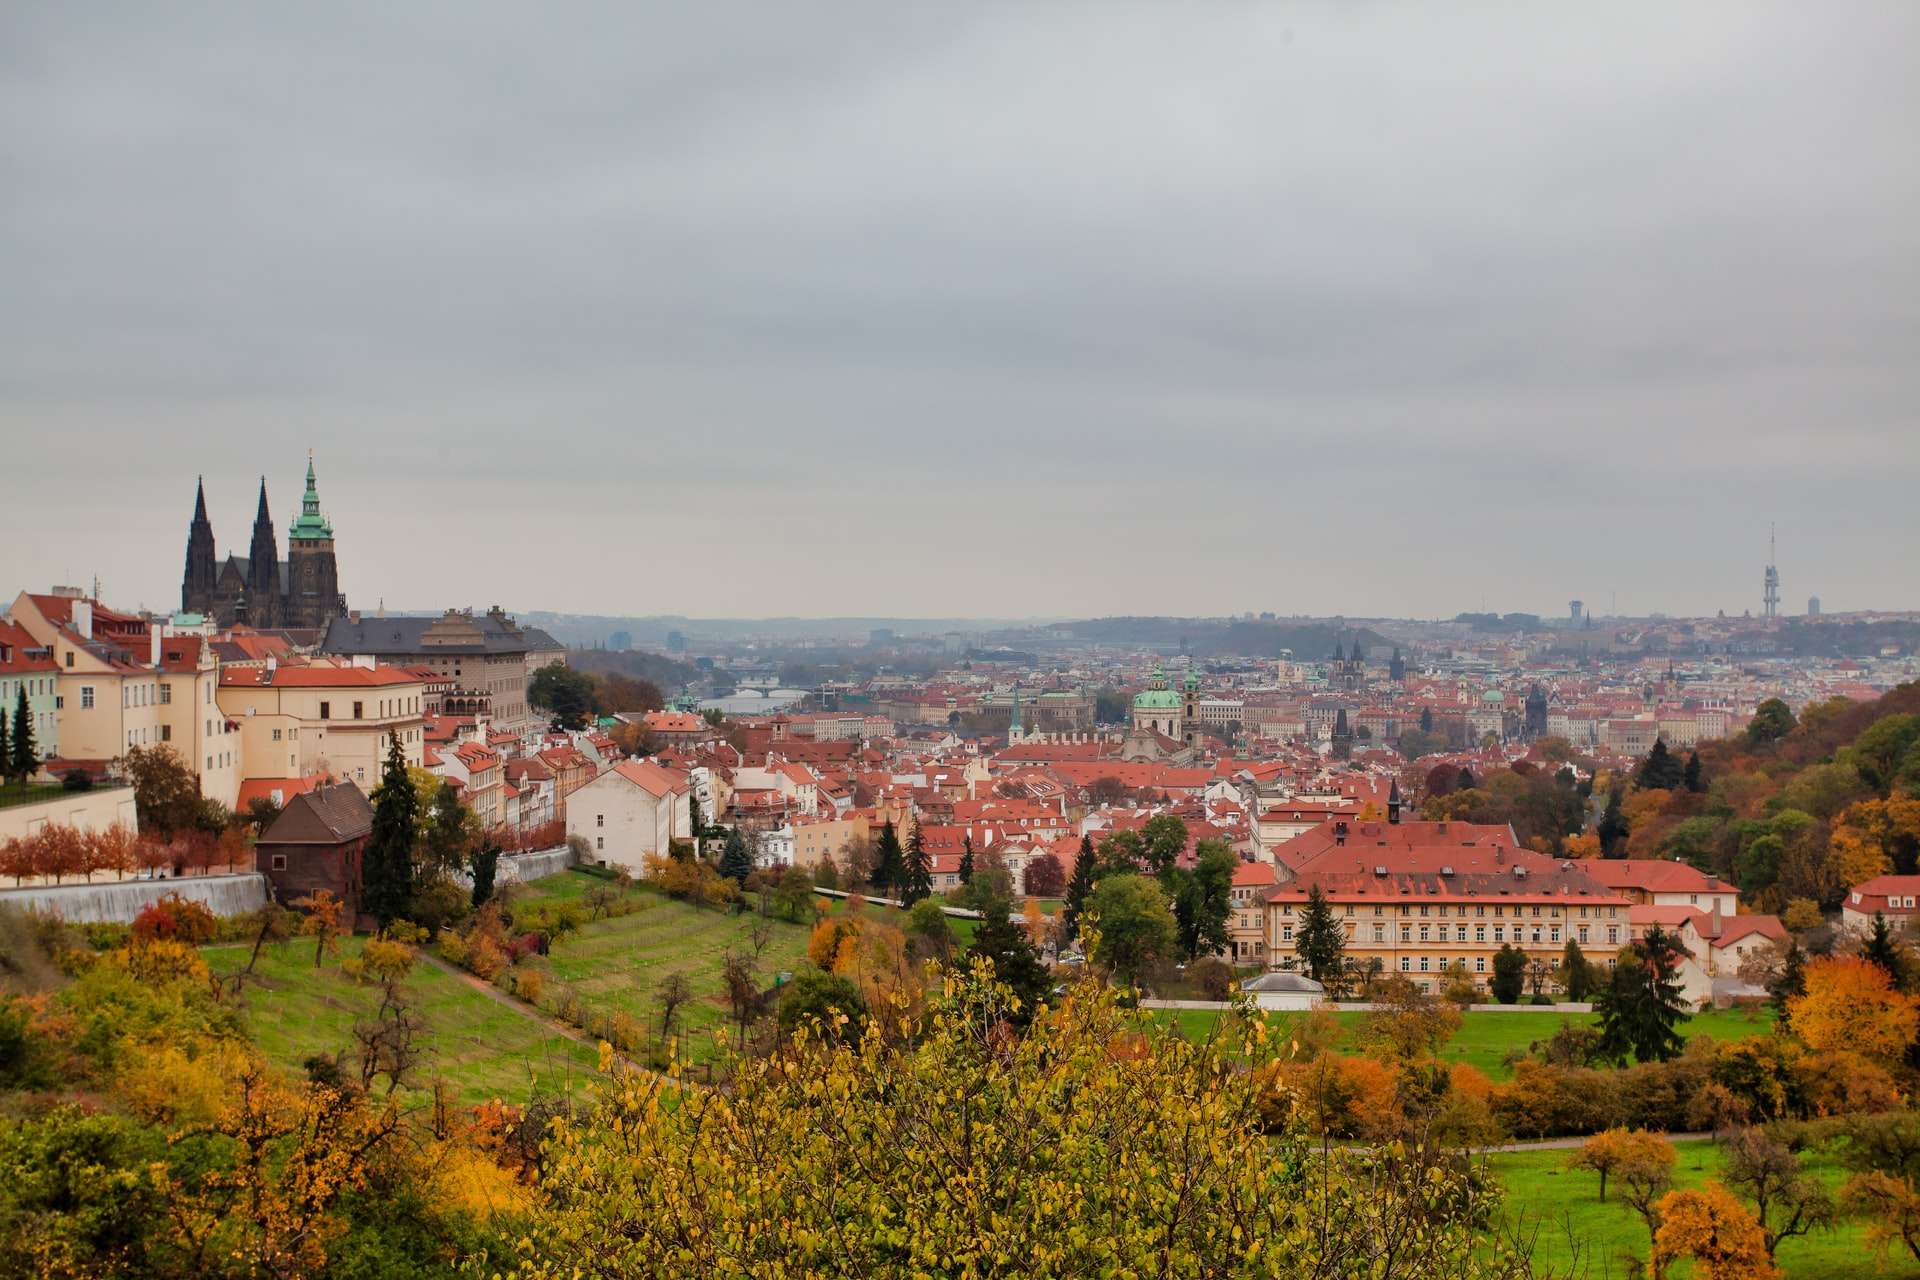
(1851, 1004)
(1715, 1230)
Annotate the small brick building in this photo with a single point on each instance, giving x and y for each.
(316, 843)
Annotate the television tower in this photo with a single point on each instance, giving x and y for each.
(1770, 593)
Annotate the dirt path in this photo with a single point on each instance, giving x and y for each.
(532, 1014)
(1569, 1144)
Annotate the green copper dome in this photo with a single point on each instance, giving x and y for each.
(311, 526)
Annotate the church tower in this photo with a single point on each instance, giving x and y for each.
(263, 567)
(313, 586)
(196, 587)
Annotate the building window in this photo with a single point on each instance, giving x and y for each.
(276, 735)
(86, 697)
(1479, 964)
(166, 695)
(166, 733)
(1423, 964)
(357, 709)
(1613, 936)
(599, 842)
(1406, 964)
(599, 819)
(279, 862)
(326, 710)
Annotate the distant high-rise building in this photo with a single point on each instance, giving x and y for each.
(1574, 609)
(676, 642)
(1770, 587)
(620, 641)
(1813, 606)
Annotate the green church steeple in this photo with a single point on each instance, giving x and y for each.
(311, 525)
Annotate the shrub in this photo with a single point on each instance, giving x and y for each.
(453, 949)
(177, 918)
(1212, 977)
(529, 985)
(485, 959)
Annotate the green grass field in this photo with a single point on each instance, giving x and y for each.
(618, 964)
(1486, 1039)
(486, 1051)
(1561, 1208)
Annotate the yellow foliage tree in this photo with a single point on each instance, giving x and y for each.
(1869, 833)
(1714, 1229)
(970, 1153)
(1585, 845)
(1851, 1004)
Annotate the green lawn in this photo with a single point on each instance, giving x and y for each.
(295, 1010)
(1562, 1208)
(618, 964)
(1486, 1039)
(14, 793)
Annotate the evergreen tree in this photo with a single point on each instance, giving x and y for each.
(386, 867)
(485, 863)
(917, 882)
(1882, 950)
(1660, 771)
(1509, 974)
(1319, 940)
(1576, 975)
(966, 858)
(22, 757)
(736, 862)
(1426, 719)
(1641, 1006)
(1691, 778)
(696, 825)
(1078, 887)
(1015, 962)
(1791, 982)
(1612, 829)
(889, 863)
(6, 758)
(1465, 782)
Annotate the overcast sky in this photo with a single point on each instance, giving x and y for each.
(960, 309)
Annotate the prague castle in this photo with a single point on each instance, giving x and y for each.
(260, 589)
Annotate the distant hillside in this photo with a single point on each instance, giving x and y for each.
(665, 673)
(1206, 637)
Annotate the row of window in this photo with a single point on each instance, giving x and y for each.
(385, 707)
(1548, 934)
(1480, 909)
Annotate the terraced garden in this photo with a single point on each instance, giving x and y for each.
(482, 1047)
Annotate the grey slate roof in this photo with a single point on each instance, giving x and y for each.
(330, 814)
(402, 636)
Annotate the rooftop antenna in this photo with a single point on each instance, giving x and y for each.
(1770, 583)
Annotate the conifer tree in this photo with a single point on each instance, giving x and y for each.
(1319, 940)
(1691, 778)
(1613, 828)
(1015, 962)
(22, 757)
(917, 881)
(1576, 975)
(1791, 982)
(484, 864)
(386, 867)
(1509, 974)
(889, 864)
(1659, 771)
(1078, 887)
(6, 758)
(1466, 781)
(1882, 950)
(1641, 1006)
(736, 863)
(966, 858)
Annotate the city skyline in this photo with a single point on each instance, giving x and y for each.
(1407, 312)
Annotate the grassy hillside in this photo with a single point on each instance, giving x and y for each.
(484, 1049)
(1486, 1039)
(1563, 1206)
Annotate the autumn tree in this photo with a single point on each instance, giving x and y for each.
(1646, 1175)
(1850, 1003)
(325, 919)
(673, 994)
(976, 1158)
(1787, 1200)
(1715, 1230)
(1045, 876)
(1612, 1150)
(166, 793)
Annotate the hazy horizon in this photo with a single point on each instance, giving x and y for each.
(1048, 311)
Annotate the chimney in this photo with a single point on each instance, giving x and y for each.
(1716, 917)
(83, 618)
